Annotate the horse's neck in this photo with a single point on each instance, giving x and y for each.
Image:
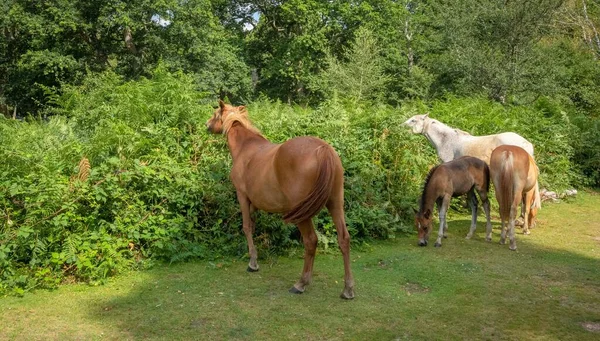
(242, 140)
(428, 199)
(443, 139)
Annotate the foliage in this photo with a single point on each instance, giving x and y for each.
(360, 76)
(50, 43)
(112, 169)
(131, 176)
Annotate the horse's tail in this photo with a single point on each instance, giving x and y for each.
(318, 196)
(537, 200)
(507, 186)
(486, 179)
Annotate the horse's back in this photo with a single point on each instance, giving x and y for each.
(514, 139)
(466, 171)
(483, 146)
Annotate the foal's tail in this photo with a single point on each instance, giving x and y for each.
(507, 186)
(318, 196)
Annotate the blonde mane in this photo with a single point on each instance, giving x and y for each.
(240, 116)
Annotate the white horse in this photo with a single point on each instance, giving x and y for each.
(451, 143)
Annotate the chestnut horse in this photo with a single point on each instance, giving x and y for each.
(514, 173)
(464, 175)
(297, 178)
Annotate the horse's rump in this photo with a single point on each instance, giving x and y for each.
(321, 191)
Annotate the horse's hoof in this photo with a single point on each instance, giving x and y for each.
(488, 239)
(438, 245)
(526, 233)
(294, 290)
(502, 242)
(468, 237)
(249, 269)
(513, 249)
(347, 295)
(445, 236)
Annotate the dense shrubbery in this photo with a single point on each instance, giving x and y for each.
(126, 174)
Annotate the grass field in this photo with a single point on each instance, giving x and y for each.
(468, 289)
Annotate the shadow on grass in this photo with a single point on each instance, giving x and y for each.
(549, 288)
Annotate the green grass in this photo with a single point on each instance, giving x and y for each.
(469, 289)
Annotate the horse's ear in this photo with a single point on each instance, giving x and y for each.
(221, 104)
(241, 108)
(415, 210)
(426, 114)
(427, 214)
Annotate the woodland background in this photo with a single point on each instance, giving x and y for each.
(106, 164)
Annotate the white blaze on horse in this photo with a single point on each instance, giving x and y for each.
(451, 143)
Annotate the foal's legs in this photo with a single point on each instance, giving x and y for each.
(483, 195)
(442, 209)
(248, 226)
(486, 208)
(473, 203)
(309, 237)
(336, 209)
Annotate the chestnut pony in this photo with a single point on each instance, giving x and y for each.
(464, 175)
(514, 173)
(297, 178)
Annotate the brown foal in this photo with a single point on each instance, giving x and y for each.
(297, 178)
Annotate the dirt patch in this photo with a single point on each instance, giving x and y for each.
(415, 288)
(591, 326)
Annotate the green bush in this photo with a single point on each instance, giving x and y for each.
(127, 175)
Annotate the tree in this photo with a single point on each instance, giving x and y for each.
(359, 75)
(492, 47)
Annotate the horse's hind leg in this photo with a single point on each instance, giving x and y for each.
(248, 227)
(486, 208)
(527, 198)
(336, 209)
(511, 223)
(473, 203)
(503, 227)
(443, 209)
(309, 238)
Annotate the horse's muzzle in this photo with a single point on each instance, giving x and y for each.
(422, 243)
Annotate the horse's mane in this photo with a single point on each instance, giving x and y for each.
(240, 116)
(456, 130)
(461, 132)
(424, 195)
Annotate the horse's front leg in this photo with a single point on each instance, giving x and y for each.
(248, 227)
(309, 237)
(442, 209)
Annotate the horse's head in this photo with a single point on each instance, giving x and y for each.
(423, 225)
(215, 123)
(417, 123)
